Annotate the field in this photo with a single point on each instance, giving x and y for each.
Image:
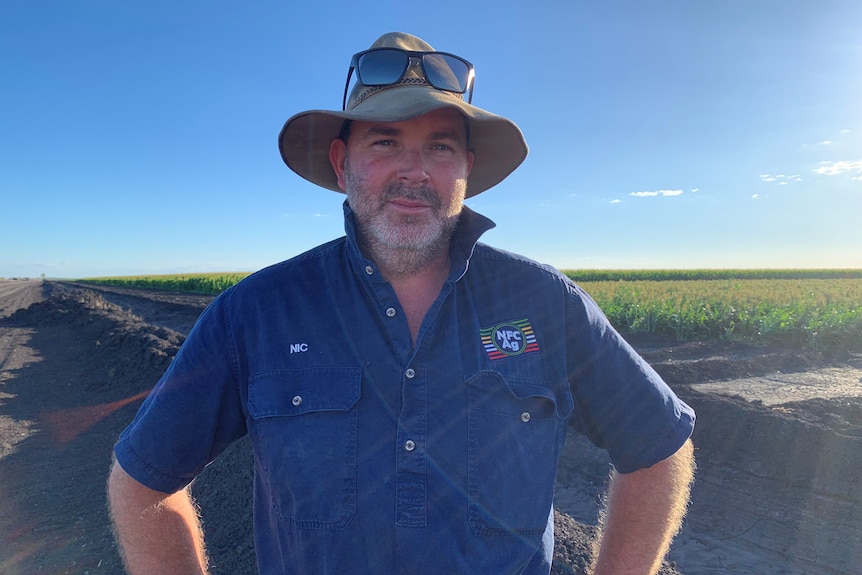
(778, 436)
(196, 283)
(819, 310)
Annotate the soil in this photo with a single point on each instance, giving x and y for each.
(779, 444)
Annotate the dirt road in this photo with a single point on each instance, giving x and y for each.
(778, 438)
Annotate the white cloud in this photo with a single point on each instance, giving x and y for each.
(666, 193)
(695, 190)
(824, 143)
(615, 201)
(844, 131)
(755, 196)
(782, 179)
(836, 168)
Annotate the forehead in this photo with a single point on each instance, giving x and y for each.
(441, 121)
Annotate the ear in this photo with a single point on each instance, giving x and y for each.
(469, 163)
(337, 156)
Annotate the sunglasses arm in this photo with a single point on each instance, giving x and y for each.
(346, 86)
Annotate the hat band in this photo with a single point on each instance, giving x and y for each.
(371, 90)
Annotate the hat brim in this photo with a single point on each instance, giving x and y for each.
(497, 143)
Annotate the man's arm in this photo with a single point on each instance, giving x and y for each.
(645, 511)
(157, 533)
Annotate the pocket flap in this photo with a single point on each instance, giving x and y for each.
(523, 388)
(288, 392)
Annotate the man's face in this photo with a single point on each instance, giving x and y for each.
(405, 181)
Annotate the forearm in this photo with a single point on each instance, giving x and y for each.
(645, 511)
(157, 533)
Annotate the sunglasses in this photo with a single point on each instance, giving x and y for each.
(387, 66)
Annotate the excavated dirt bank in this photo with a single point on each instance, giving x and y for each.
(778, 443)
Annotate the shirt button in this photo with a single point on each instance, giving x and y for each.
(409, 445)
(297, 400)
(525, 417)
(369, 270)
(390, 312)
(410, 373)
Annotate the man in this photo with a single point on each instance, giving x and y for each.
(407, 390)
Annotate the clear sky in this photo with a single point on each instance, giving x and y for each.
(139, 137)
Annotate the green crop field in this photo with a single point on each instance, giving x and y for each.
(213, 283)
(811, 309)
(821, 314)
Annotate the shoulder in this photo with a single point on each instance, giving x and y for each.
(490, 260)
(494, 265)
(297, 276)
(288, 272)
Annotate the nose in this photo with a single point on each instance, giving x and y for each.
(413, 166)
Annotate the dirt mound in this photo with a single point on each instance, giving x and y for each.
(684, 363)
(73, 369)
(777, 491)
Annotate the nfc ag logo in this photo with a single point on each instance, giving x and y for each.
(509, 339)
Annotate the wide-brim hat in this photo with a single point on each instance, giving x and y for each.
(497, 143)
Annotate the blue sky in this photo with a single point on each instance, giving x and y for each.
(140, 137)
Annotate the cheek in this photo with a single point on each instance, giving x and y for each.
(453, 201)
(460, 173)
(376, 173)
(454, 181)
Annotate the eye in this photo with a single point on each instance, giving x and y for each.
(441, 147)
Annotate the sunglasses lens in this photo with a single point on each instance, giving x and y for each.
(446, 72)
(382, 67)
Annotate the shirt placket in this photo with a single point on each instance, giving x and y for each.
(411, 456)
(411, 478)
(411, 432)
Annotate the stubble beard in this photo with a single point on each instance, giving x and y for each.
(401, 244)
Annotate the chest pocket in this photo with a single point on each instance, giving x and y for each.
(516, 428)
(304, 427)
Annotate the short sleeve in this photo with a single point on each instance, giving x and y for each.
(621, 403)
(192, 414)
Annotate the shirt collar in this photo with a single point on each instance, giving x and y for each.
(471, 226)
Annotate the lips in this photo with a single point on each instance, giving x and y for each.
(411, 199)
(409, 205)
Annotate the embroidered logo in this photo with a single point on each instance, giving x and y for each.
(509, 339)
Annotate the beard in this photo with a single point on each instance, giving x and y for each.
(402, 243)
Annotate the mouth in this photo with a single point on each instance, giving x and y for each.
(409, 205)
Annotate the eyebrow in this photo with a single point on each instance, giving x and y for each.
(381, 130)
(447, 135)
(387, 130)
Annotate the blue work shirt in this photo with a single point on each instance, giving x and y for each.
(373, 454)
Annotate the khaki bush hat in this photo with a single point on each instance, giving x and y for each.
(497, 143)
